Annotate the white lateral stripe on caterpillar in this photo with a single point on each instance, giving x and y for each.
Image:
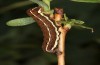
(45, 25)
(57, 36)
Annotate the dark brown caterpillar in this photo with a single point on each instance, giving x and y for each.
(48, 27)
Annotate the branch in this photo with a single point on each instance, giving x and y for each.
(61, 46)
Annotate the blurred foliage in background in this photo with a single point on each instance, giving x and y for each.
(22, 45)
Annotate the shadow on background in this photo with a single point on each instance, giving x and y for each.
(22, 45)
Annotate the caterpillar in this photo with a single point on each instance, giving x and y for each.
(48, 27)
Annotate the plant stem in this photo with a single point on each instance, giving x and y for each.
(61, 46)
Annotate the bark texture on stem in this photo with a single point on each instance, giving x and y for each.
(61, 46)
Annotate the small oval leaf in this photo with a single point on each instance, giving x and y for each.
(20, 21)
(47, 2)
(42, 4)
(88, 1)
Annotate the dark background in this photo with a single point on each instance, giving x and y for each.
(22, 45)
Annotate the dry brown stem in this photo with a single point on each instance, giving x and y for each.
(61, 46)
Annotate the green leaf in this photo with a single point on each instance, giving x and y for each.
(88, 1)
(77, 23)
(42, 4)
(47, 2)
(20, 21)
(85, 27)
(65, 17)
